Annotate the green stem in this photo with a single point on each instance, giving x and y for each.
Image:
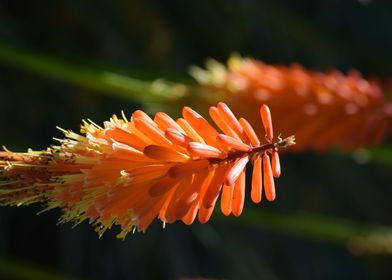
(379, 154)
(360, 238)
(104, 81)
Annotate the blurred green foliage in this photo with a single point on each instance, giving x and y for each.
(14, 269)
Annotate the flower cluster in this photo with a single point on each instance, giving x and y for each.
(324, 109)
(130, 172)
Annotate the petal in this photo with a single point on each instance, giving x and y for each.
(164, 154)
(177, 137)
(275, 164)
(257, 181)
(204, 150)
(205, 213)
(162, 186)
(190, 130)
(164, 122)
(233, 143)
(206, 184)
(152, 132)
(150, 212)
(228, 117)
(201, 126)
(169, 214)
(190, 216)
(173, 211)
(139, 114)
(215, 186)
(131, 127)
(123, 135)
(249, 132)
(269, 184)
(187, 168)
(215, 116)
(236, 170)
(267, 121)
(146, 173)
(239, 195)
(127, 152)
(226, 199)
(192, 193)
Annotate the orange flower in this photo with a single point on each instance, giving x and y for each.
(324, 109)
(130, 172)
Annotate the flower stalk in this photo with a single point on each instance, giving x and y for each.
(132, 171)
(325, 109)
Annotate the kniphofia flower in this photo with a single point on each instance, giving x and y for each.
(325, 110)
(130, 172)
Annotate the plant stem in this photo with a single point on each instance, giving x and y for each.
(104, 81)
(359, 238)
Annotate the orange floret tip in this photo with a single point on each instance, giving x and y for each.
(257, 181)
(275, 164)
(203, 150)
(163, 153)
(269, 183)
(236, 170)
(233, 143)
(267, 122)
(239, 195)
(227, 199)
(130, 173)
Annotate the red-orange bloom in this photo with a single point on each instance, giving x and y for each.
(325, 110)
(130, 172)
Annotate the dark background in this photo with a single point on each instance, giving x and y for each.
(161, 39)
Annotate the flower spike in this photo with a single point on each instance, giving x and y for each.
(325, 109)
(130, 172)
